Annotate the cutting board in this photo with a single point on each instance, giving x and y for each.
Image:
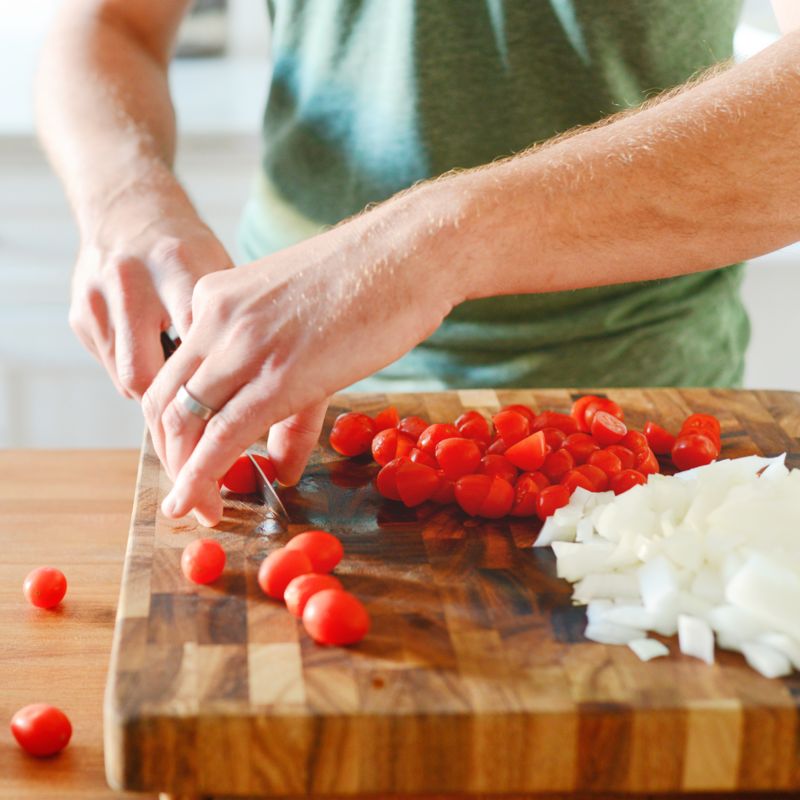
(475, 677)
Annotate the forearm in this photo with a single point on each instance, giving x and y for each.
(702, 179)
(104, 113)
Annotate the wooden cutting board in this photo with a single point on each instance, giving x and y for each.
(475, 677)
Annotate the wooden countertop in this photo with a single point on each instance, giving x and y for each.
(71, 510)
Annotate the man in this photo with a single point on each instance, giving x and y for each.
(368, 98)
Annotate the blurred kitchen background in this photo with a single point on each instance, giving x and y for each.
(52, 393)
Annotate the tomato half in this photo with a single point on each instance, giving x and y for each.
(526, 412)
(634, 441)
(607, 429)
(659, 439)
(578, 411)
(493, 464)
(558, 464)
(555, 419)
(434, 434)
(626, 479)
(499, 499)
(413, 426)
(608, 462)
(415, 483)
(457, 457)
(511, 426)
(529, 453)
(389, 444)
(473, 425)
(388, 418)
(526, 490)
(550, 499)
(386, 481)
(581, 445)
(471, 491)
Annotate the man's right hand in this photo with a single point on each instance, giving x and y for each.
(127, 289)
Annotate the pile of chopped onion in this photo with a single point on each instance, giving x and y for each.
(712, 554)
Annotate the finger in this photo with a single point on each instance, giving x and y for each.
(101, 332)
(177, 296)
(137, 346)
(291, 441)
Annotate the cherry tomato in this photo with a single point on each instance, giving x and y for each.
(555, 419)
(558, 464)
(323, 549)
(607, 429)
(302, 588)
(499, 499)
(386, 482)
(434, 434)
(445, 492)
(602, 404)
(388, 418)
(511, 426)
(492, 464)
(41, 730)
(704, 428)
(554, 437)
(389, 444)
(539, 478)
(529, 453)
(413, 426)
(693, 450)
(626, 457)
(606, 461)
(241, 477)
(634, 441)
(418, 457)
(457, 457)
(550, 499)
(626, 479)
(279, 568)
(646, 462)
(471, 491)
(497, 447)
(526, 490)
(352, 433)
(659, 440)
(415, 483)
(573, 479)
(595, 475)
(702, 421)
(519, 408)
(203, 560)
(578, 411)
(335, 617)
(473, 425)
(45, 587)
(580, 445)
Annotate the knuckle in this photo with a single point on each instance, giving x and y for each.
(149, 407)
(173, 421)
(170, 250)
(222, 431)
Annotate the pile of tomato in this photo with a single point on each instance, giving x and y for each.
(520, 463)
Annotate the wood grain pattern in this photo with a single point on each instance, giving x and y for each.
(475, 678)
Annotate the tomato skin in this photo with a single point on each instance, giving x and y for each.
(693, 450)
(573, 479)
(529, 453)
(550, 499)
(388, 418)
(511, 426)
(45, 587)
(646, 462)
(578, 411)
(607, 429)
(412, 426)
(323, 549)
(334, 617)
(497, 448)
(389, 444)
(415, 483)
(526, 490)
(660, 440)
(581, 446)
(634, 441)
(434, 434)
(471, 491)
(555, 419)
(626, 457)
(627, 479)
(445, 492)
(241, 477)
(352, 434)
(418, 457)
(203, 561)
(302, 588)
(457, 457)
(492, 464)
(386, 481)
(603, 404)
(41, 730)
(558, 464)
(473, 425)
(519, 408)
(499, 499)
(606, 461)
(279, 568)
(595, 475)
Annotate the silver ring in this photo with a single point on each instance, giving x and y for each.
(193, 405)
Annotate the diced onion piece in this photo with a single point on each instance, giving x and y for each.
(609, 633)
(766, 660)
(696, 638)
(648, 649)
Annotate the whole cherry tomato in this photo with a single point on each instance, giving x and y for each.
(352, 433)
(606, 461)
(241, 477)
(413, 426)
(659, 439)
(41, 730)
(203, 561)
(335, 617)
(457, 456)
(693, 450)
(526, 412)
(626, 457)
(634, 441)
(302, 588)
(558, 464)
(279, 568)
(45, 587)
(595, 475)
(323, 549)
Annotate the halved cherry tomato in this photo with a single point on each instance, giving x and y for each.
(555, 419)
(526, 412)
(457, 457)
(241, 477)
(706, 430)
(323, 549)
(445, 492)
(413, 426)
(302, 588)
(497, 447)
(550, 499)
(386, 481)
(492, 464)
(558, 464)
(434, 434)
(473, 425)
(626, 457)
(646, 462)
(578, 411)
(415, 483)
(389, 444)
(607, 429)
(573, 479)
(279, 568)
(471, 491)
(352, 433)
(659, 439)
(388, 418)
(554, 437)
(602, 404)
(627, 479)
(41, 730)
(419, 457)
(606, 461)
(595, 475)
(693, 450)
(539, 478)
(526, 490)
(203, 560)
(511, 426)
(580, 445)
(45, 587)
(701, 421)
(529, 453)
(499, 499)
(335, 617)
(634, 441)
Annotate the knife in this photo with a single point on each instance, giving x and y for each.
(275, 507)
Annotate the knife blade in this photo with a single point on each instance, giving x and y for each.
(275, 507)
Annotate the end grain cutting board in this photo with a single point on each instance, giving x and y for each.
(475, 677)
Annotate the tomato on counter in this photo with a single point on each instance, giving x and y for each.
(45, 587)
(41, 730)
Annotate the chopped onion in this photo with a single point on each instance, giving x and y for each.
(696, 638)
(648, 649)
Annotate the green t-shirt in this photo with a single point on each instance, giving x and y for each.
(369, 96)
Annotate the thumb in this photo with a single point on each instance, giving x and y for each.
(292, 440)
